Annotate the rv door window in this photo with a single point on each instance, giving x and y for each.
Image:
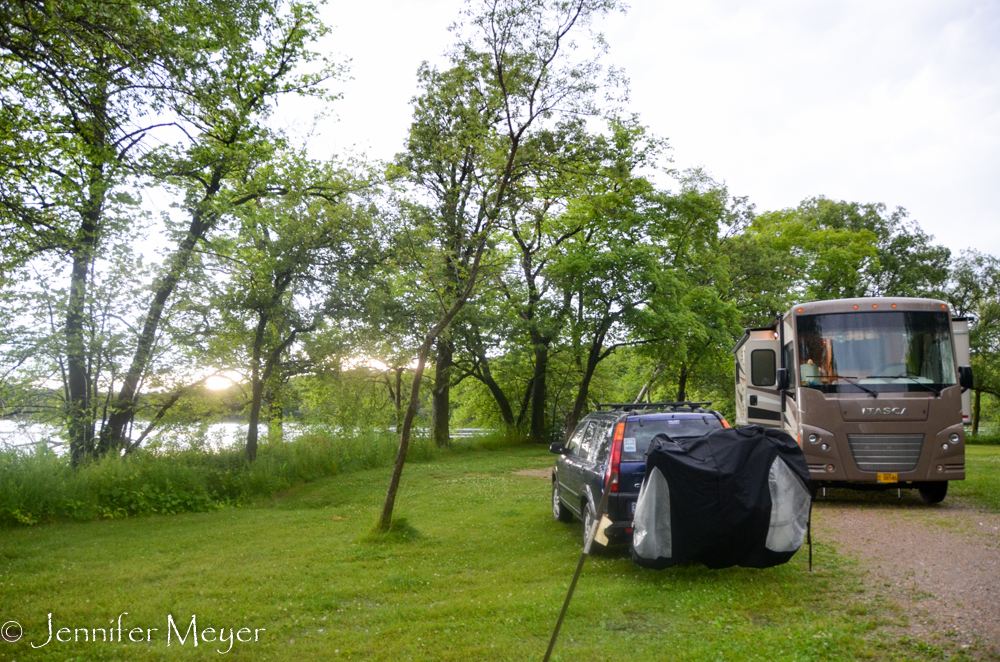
(762, 367)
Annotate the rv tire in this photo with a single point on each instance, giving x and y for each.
(933, 492)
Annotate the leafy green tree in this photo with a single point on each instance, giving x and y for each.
(974, 292)
(535, 229)
(512, 70)
(230, 159)
(629, 275)
(33, 345)
(295, 261)
(89, 92)
(72, 77)
(847, 249)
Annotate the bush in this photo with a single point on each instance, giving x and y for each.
(986, 438)
(41, 486)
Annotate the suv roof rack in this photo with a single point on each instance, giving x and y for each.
(651, 405)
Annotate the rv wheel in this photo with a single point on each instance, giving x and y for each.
(933, 492)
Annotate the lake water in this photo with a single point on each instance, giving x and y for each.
(26, 436)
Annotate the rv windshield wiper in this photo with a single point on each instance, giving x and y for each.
(936, 392)
(851, 380)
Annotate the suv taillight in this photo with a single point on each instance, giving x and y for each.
(614, 467)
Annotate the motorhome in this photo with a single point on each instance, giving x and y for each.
(872, 389)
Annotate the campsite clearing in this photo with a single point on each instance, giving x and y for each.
(478, 572)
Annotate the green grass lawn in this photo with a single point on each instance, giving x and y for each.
(982, 477)
(482, 578)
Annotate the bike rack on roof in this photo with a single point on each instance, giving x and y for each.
(622, 406)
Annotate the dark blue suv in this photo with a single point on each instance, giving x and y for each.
(615, 438)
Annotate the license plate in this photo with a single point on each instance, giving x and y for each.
(888, 478)
(633, 507)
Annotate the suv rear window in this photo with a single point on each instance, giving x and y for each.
(642, 431)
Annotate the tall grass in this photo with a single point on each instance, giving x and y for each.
(989, 435)
(41, 487)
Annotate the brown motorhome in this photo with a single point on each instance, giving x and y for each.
(871, 388)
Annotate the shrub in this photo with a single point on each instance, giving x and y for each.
(41, 486)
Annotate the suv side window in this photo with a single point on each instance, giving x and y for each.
(587, 446)
(575, 440)
(602, 442)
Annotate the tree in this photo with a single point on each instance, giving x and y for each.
(295, 261)
(974, 292)
(89, 91)
(847, 249)
(536, 228)
(228, 160)
(629, 273)
(73, 77)
(510, 71)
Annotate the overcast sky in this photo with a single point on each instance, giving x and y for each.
(869, 101)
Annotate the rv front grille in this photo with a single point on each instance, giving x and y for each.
(886, 452)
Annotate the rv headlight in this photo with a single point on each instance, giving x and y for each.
(825, 447)
(813, 438)
(945, 447)
(953, 438)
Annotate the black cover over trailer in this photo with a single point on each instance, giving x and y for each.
(737, 496)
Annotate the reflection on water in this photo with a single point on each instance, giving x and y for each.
(26, 436)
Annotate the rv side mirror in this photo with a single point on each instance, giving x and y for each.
(781, 378)
(557, 448)
(965, 376)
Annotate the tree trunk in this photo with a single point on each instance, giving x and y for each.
(975, 411)
(79, 414)
(525, 402)
(79, 417)
(539, 433)
(644, 392)
(257, 389)
(123, 409)
(580, 403)
(503, 404)
(398, 398)
(441, 393)
(385, 519)
(682, 383)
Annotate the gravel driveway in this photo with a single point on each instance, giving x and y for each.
(940, 564)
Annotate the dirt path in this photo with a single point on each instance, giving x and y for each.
(941, 563)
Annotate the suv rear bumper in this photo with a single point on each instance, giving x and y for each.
(619, 531)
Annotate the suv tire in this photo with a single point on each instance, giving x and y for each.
(588, 523)
(559, 512)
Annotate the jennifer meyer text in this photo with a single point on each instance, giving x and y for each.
(175, 632)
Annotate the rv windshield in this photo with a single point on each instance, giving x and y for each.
(876, 351)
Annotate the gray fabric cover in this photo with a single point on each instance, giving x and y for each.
(651, 524)
(789, 508)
